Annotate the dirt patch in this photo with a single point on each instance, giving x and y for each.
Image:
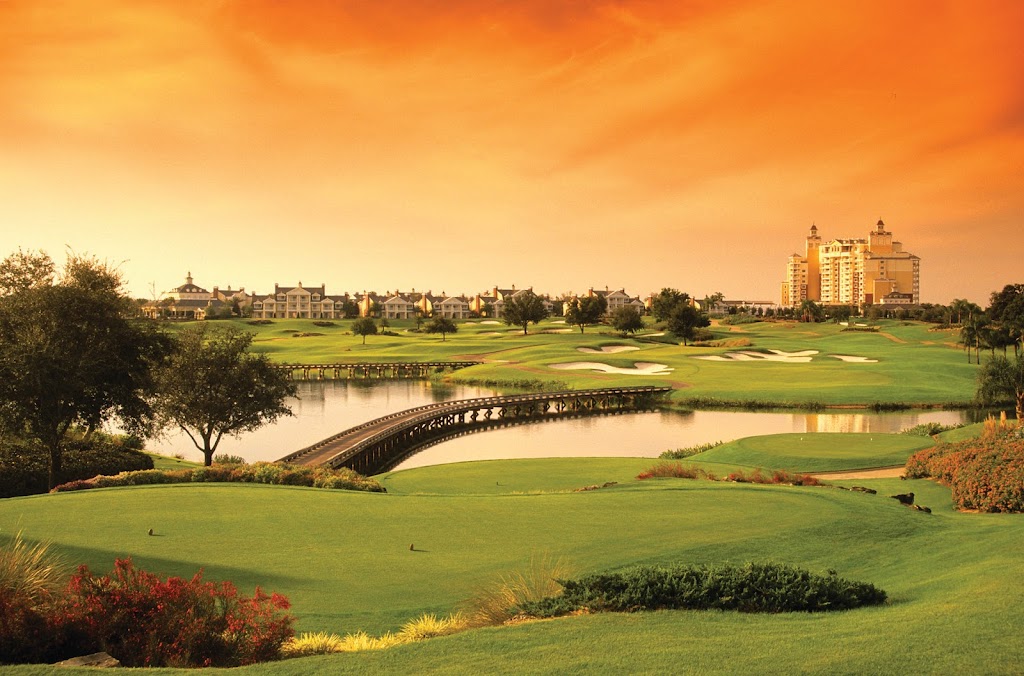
(878, 473)
(891, 337)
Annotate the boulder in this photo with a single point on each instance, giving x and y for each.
(904, 498)
(94, 660)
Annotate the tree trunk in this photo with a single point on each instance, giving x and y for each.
(55, 465)
(1020, 408)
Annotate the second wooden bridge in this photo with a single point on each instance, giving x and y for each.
(380, 444)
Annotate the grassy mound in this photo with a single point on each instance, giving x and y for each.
(817, 452)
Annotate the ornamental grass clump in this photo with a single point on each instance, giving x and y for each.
(429, 626)
(501, 600)
(31, 578)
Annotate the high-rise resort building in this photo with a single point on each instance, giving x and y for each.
(872, 271)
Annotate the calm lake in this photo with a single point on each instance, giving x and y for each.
(327, 407)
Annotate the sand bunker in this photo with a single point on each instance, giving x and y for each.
(653, 335)
(490, 321)
(608, 349)
(557, 331)
(640, 368)
(490, 333)
(801, 357)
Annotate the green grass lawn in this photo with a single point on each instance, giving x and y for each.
(344, 560)
(817, 452)
(908, 355)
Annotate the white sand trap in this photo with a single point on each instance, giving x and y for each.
(640, 368)
(608, 349)
(854, 360)
(775, 355)
(557, 331)
(490, 321)
(558, 321)
(490, 333)
(653, 335)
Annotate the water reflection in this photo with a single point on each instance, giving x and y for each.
(327, 407)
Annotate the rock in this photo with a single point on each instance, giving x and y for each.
(94, 660)
(922, 508)
(864, 489)
(904, 498)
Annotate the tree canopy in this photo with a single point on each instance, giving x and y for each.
(213, 386)
(586, 311)
(524, 308)
(364, 326)
(441, 325)
(666, 302)
(685, 320)
(69, 354)
(1002, 379)
(627, 320)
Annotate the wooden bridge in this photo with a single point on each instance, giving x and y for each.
(380, 370)
(381, 444)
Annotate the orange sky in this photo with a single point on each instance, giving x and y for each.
(456, 145)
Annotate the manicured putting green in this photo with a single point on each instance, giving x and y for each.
(817, 452)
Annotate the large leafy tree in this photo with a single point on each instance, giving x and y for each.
(213, 386)
(1001, 379)
(524, 308)
(1006, 308)
(685, 320)
(586, 311)
(665, 303)
(69, 355)
(442, 325)
(627, 320)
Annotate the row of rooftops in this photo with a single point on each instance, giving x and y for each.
(189, 291)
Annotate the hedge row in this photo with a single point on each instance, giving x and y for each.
(259, 473)
(24, 466)
(750, 588)
(985, 474)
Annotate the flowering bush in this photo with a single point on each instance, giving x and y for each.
(144, 621)
(678, 470)
(258, 472)
(986, 474)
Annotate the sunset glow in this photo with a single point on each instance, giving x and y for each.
(458, 145)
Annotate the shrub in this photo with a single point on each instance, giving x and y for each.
(674, 470)
(258, 472)
(680, 453)
(929, 429)
(985, 474)
(144, 621)
(751, 588)
(259, 322)
(24, 467)
(677, 470)
(227, 459)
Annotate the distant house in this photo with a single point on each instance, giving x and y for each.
(398, 306)
(615, 299)
(299, 302)
(452, 307)
(190, 301)
(504, 295)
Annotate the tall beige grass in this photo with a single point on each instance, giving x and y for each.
(499, 602)
(31, 573)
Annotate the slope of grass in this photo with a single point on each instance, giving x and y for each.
(344, 561)
(817, 452)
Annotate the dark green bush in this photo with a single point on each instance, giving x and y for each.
(750, 588)
(24, 466)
